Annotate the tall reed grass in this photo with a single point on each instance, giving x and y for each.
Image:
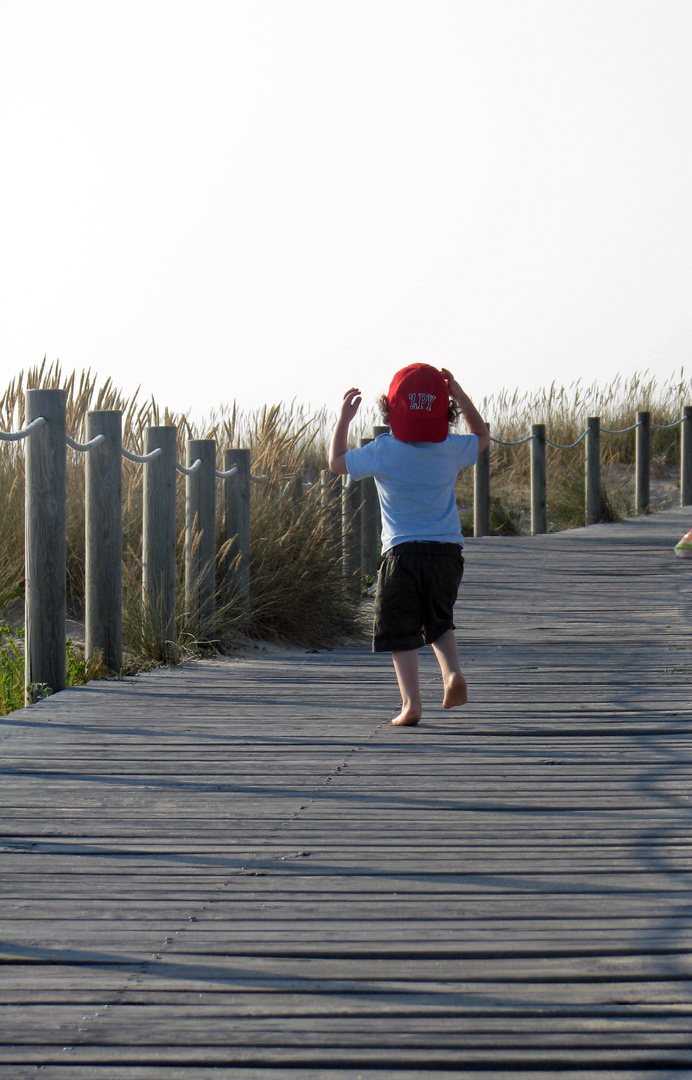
(564, 411)
(297, 590)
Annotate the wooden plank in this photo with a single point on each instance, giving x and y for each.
(241, 861)
(176, 1072)
(355, 1058)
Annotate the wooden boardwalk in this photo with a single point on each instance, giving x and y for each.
(241, 869)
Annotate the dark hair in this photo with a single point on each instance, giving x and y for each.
(453, 412)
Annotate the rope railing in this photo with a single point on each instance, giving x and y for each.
(349, 502)
(46, 534)
(225, 475)
(84, 448)
(621, 431)
(17, 436)
(592, 435)
(568, 446)
(518, 442)
(666, 427)
(141, 459)
(189, 471)
(129, 455)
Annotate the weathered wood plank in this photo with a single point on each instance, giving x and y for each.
(242, 861)
(176, 1072)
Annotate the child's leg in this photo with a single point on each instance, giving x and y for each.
(406, 667)
(447, 653)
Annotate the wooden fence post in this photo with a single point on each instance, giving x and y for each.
(642, 463)
(350, 530)
(104, 557)
(330, 493)
(200, 537)
(45, 543)
(158, 539)
(369, 523)
(481, 493)
(377, 430)
(297, 488)
(539, 522)
(592, 469)
(686, 457)
(236, 525)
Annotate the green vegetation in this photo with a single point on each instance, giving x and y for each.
(11, 672)
(79, 670)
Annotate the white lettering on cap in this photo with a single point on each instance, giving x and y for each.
(421, 401)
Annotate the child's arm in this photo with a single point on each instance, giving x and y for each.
(339, 445)
(475, 424)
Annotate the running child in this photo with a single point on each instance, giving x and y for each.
(415, 469)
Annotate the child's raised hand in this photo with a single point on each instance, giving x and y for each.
(339, 443)
(350, 404)
(455, 390)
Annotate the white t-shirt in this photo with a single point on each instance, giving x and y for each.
(415, 484)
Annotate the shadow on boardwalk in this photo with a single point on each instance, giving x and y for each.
(240, 868)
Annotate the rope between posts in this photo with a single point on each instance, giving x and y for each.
(519, 442)
(621, 431)
(141, 459)
(604, 431)
(83, 448)
(16, 436)
(569, 446)
(665, 427)
(193, 468)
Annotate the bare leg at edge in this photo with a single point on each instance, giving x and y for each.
(447, 653)
(406, 668)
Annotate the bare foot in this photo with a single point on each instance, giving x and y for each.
(455, 691)
(408, 716)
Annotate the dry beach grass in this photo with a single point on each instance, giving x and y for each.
(297, 591)
(564, 411)
(298, 594)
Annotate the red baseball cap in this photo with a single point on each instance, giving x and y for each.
(418, 404)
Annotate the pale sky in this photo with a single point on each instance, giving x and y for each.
(276, 199)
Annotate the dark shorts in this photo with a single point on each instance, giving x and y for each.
(417, 587)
